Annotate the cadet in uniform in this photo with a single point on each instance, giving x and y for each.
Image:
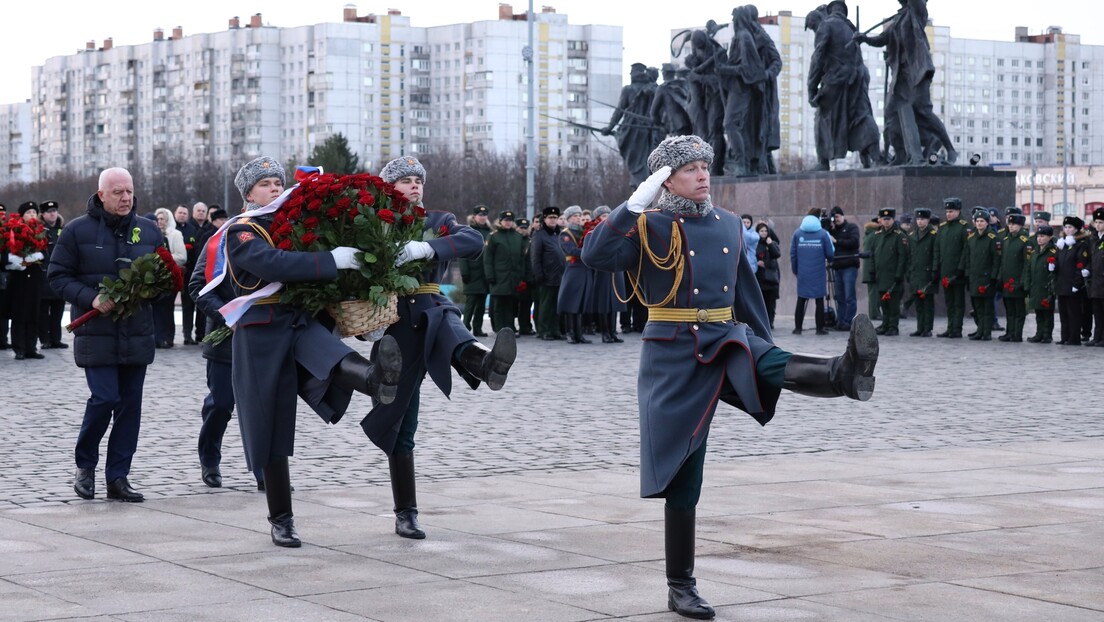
(707, 339)
(547, 260)
(873, 303)
(949, 246)
(1096, 275)
(1014, 246)
(1042, 259)
(577, 279)
(1069, 284)
(981, 262)
(525, 293)
(433, 340)
(280, 350)
(606, 294)
(922, 271)
(474, 279)
(502, 264)
(891, 264)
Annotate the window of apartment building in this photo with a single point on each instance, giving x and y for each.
(1015, 62)
(1000, 77)
(970, 123)
(1084, 127)
(985, 140)
(1000, 140)
(957, 60)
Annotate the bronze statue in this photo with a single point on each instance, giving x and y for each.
(912, 128)
(838, 86)
(706, 100)
(636, 135)
(670, 106)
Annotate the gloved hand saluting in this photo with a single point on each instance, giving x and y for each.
(345, 258)
(648, 189)
(413, 251)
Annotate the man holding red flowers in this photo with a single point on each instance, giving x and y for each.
(113, 352)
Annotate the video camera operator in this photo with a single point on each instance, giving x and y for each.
(845, 236)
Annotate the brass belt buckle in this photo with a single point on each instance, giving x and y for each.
(703, 316)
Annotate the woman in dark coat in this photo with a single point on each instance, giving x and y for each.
(607, 291)
(52, 307)
(1069, 281)
(768, 275)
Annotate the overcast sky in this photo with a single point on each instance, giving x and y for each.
(31, 32)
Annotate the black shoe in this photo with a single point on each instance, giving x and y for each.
(549, 338)
(283, 532)
(1016, 340)
(891, 332)
(881, 330)
(685, 601)
(1005, 337)
(19, 356)
(678, 547)
(212, 477)
(822, 331)
(120, 490)
(955, 336)
(1045, 340)
(35, 355)
(479, 333)
(84, 484)
(985, 338)
(1034, 339)
(926, 333)
(378, 380)
(998, 327)
(189, 342)
(406, 525)
(974, 337)
(916, 333)
(850, 374)
(796, 331)
(944, 334)
(261, 485)
(60, 346)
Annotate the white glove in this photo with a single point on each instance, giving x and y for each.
(345, 258)
(377, 334)
(16, 265)
(35, 256)
(1050, 267)
(1061, 243)
(1073, 289)
(1069, 240)
(1085, 272)
(648, 189)
(413, 251)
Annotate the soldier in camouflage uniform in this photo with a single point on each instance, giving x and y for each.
(1038, 275)
(949, 245)
(891, 262)
(1014, 243)
(922, 272)
(981, 262)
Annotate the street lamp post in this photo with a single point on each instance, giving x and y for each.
(1034, 164)
(531, 140)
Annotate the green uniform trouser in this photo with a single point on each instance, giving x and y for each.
(983, 311)
(873, 302)
(503, 310)
(548, 321)
(524, 306)
(955, 296)
(404, 444)
(891, 310)
(1015, 313)
(925, 313)
(1044, 324)
(685, 489)
(475, 305)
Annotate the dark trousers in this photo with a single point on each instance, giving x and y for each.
(1086, 319)
(548, 321)
(873, 304)
(505, 310)
(24, 321)
(1015, 314)
(164, 323)
(955, 297)
(50, 313)
(117, 401)
(217, 409)
(524, 313)
(1044, 324)
(770, 298)
(1098, 319)
(890, 303)
(799, 313)
(1069, 313)
(983, 312)
(846, 303)
(4, 309)
(192, 317)
(404, 444)
(925, 313)
(475, 306)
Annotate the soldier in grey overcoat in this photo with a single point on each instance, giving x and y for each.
(280, 350)
(433, 340)
(707, 339)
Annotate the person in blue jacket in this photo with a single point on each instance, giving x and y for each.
(810, 251)
(707, 340)
(432, 336)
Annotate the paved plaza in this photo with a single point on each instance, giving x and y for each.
(970, 488)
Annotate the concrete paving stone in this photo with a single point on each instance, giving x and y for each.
(782, 610)
(788, 468)
(944, 484)
(495, 518)
(449, 601)
(878, 520)
(305, 571)
(959, 459)
(265, 610)
(22, 604)
(938, 601)
(1082, 501)
(990, 511)
(831, 493)
(1078, 588)
(115, 588)
(755, 499)
(459, 555)
(27, 548)
(762, 532)
(1086, 448)
(619, 543)
(1044, 550)
(1055, 476)
(616, 482)
(494, 489)
(916, 560)
(602, 508)
(617, 590)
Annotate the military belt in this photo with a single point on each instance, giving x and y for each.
(268, 300)
(667, 314)
(427, 288)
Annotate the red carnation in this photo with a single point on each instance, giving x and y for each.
(522, 286)
(1050, 260)
(886, 297)
(386, 216)
(982, 289)
(1045, 303)
(920, 294)
(1080, 265)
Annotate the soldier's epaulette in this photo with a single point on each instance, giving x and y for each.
(1023, 238)
(1053, 250)
(992, 236)
(935, 230)
(943, 224)
(962, 222)
(970, 235)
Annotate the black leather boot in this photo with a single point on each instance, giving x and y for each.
(611, 322)
(119, 490)
(491, 364)
(278, 494)
(850, 374)
(84, 484)
(577, 328)
(678, 544)
(406, 498)
(380, 379)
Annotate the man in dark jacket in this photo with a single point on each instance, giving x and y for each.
(547, 259)
(981, 262)
(1014, 244)
(505, 271)
(1096, 276)
(113, 352)
(473, 277)
(845, 264)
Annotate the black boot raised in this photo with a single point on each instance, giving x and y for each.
(379, 380)
(491, 364)
(851, 374)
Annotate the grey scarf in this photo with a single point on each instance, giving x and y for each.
(681, 206)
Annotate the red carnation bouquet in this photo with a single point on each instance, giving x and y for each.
(22, 238)
(361, 211)
(150, 276)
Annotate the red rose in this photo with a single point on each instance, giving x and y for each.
(308, 238)
(311, 222)
(419, 211)
(1045, 303)
(333, 212)
(946, 282)
(315, 205)
(187, 246)
(522, 286)
(366, 198)
(443, 231)
(1050, 259)
(982, 289)
(284, 245)
(294, 201)
(386, 216)
(344, 202)
(886, 297)
(920, 294)
(1080, 265)
(407, 219)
